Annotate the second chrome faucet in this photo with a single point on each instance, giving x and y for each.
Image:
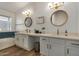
(57, 31)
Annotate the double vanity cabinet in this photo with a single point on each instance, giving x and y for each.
(59, 47)
(50, 45)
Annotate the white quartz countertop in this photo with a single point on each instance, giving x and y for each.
(70, 36)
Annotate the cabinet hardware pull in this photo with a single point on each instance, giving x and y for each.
(50, 46)
(43, 39)
(67, 50)
(75, 44)
(47, 46)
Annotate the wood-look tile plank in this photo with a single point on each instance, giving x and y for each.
(16, 51)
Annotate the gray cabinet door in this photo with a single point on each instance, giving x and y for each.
(57, 47)
(52, 47)
(57, 50)
(73, 51)
(73, 48)
(43, 46)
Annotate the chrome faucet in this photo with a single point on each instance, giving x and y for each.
(66, 32)
(28, 30)
(57, 31)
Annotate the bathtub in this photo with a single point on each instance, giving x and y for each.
(6, 42)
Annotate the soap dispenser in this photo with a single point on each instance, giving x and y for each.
(66, 33)
(43, 30)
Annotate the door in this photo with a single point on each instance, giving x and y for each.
(44, 46)
(73, 51)
(57, 47)
(72, 48)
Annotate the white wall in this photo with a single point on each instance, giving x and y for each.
(20, 18)
(41, 9)
(78, 15)
(9, 14)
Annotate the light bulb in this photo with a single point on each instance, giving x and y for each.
(23, 12)
(50, 5)
(27, 13)
(55, 5)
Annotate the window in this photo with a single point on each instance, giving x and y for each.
(5, 23)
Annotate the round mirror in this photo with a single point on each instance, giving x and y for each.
(59, 18)
(28, 21)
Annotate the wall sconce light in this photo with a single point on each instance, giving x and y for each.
(55, 5)
(27, 13)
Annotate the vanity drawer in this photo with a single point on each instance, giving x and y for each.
(72, 43)
(58, 41)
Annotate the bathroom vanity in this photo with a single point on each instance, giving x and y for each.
(59, 47)
(24, 41)
(51, 44)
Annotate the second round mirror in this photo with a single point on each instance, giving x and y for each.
(59, 18)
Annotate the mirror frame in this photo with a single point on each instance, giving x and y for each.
(26, 20)
(62, 23)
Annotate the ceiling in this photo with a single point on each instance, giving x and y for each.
(12, 6)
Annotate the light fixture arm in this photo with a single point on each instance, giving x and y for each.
(55, 5)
